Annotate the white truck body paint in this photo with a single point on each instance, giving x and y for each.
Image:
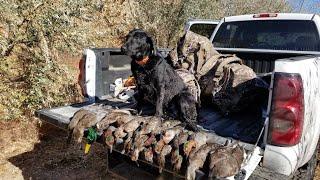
(281, 159)
(285, 160)
(190, 22)
(288, 159)
(90, 74)
(282, 16)
(268, 51)
(316, 20)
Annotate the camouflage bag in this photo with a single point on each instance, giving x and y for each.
(223, 79)
(192, 52)
(229, 85)
(191, 82)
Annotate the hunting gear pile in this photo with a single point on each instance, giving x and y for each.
(224, 80)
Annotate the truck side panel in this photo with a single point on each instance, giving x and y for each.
(286, 160)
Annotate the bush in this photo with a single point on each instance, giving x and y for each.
(165, 19)
(34, 34)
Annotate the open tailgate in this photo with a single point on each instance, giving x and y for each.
(61, 116)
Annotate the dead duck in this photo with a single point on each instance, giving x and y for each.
(188, 146)
(195, 141)
(116, 115)
(162, 157)
(138, 146)
(181, 138)
(85, 118)
(226, 161)
(88, 120)
(167, 124)
(197, 161)
(159, 145)
(178, 163)
(130, 128)
(152, 124)
(109, 138)
(200, 138)
(148, 154)
(125, 127)
(151, 140)
(96, 109)
(76, 118)
(132, 125)
(119, 134)
(169, 134)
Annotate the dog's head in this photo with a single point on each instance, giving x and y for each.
(138, 45)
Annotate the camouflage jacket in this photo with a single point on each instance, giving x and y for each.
(223, 78)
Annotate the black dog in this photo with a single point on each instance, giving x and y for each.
(157, 82)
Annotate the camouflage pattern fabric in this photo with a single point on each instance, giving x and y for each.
(191, 82)
(192, 52)
(224, 80)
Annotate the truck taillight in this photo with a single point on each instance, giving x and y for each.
(81, 77)
(287, 110)
(265, 15)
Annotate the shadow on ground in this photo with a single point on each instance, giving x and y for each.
(52, 159)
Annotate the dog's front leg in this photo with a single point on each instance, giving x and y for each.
(138, 98)
(160, 98)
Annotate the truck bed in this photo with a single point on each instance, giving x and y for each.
(243, 126)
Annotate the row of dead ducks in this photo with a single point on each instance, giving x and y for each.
(156, 139)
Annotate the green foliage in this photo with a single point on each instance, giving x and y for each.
(31, 78)
(34, 34)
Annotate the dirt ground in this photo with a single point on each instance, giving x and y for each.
(31, 150)
(34, 150)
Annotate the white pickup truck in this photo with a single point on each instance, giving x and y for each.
(284, 50)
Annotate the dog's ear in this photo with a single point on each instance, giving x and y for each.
(153, 46)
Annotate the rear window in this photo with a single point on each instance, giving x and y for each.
(297, 35)
(203, 29)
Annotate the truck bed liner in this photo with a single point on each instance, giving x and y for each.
(242, 126)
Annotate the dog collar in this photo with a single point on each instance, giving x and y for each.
(143, 62)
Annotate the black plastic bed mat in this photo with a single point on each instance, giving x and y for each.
(244, 126)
